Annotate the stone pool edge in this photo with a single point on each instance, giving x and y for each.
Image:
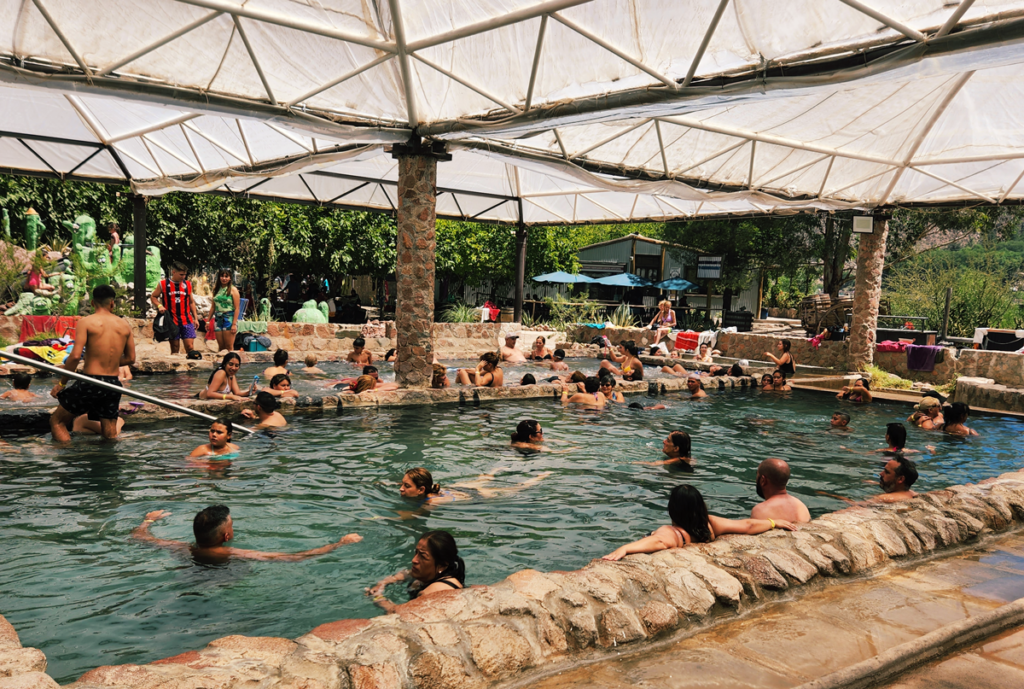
(534, 621)
(37, 418)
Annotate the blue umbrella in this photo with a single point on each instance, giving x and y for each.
(561, 277)
(623, 280)
(676, 284)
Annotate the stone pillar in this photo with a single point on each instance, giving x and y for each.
(521, 234)
(141, 294)
(414, 311)
(867, 292)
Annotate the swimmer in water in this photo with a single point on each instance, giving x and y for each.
(390, 355)
(677, 448)
(691, 523)
(840, 419)
(529, 435)
(779, 382)
(311, 368)
(212, 528)
(436, 568)
(607, 388)
(280, 366)
(637, 405)
(19, 391)
(767, 382)
(695, 387)
(896, 478)
(265, 410)
(418, 484)
(590, 397)
(956, 417)
(558, 361)
(928, 414)
(220, 440)
(772, 478)
(540, 349)
(280, 386)
(359, 353)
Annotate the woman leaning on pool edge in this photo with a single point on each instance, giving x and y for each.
(691, 523)
(436, 567)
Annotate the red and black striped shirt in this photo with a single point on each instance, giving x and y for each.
(178, 301)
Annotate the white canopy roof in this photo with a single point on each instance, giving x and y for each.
(557, 111)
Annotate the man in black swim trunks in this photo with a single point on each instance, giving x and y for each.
(108, 344)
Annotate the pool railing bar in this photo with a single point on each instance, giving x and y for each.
(56, 370)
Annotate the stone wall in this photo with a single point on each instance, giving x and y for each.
(988, 394)
(21, 668)
(477, 637)
(1005, 368)
(753, 347)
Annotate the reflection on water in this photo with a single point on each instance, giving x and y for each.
(74, 585)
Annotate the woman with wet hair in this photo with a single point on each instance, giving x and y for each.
(223, 382)
(766, 381)
(418, 484)
(436, 568)
(677, 447)
(281, 386)
(956, 416)
(858, 393)
(487, 373)
(528, 434)
(691, 523)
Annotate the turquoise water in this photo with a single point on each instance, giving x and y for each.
(75, 585)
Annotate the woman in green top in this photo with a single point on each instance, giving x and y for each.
(223, 316)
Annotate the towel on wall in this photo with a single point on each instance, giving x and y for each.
(922, 357)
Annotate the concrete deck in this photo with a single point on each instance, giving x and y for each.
(790, 643)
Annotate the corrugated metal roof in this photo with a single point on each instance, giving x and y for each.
(641, 238)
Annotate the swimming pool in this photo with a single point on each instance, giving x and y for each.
(74, 585)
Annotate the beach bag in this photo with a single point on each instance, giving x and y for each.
(163, 327)
(242, 341)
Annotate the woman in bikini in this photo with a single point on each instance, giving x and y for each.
(418, 484)
(607, 388)
(691, 523)
(664, 320)
(223, 382)
(540, 350)
(436, 567)
(859, 393)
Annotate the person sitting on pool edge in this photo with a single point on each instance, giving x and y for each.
(631, 369)
(691, 523)
(212, 528)
(590, 397)
(223, 382)
(840, 419)
(311, 368)
(606, 386)
(280, 365)
(265, 410)
(19, 391)
(487, 374)
(772, 478)
(677, 448)
(280, 386)
(418, 484)
(221, 430)
(558, 361)
(927, 414)
(436, 567)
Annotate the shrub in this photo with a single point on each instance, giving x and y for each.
(622, 317)
(883, 379)
(460, 313)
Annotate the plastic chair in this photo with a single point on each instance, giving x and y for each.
(242, 303)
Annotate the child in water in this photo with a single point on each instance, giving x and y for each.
(19, 392)
(311, 366)
(220, 440)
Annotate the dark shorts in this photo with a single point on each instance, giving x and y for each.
(185, 332)
(99, 403)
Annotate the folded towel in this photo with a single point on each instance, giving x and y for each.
(922, 357)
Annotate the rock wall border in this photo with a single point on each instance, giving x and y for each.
(533, 621)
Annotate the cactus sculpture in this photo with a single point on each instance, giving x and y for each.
(34, 228)
(23, 307)
(41, 306)
(309, 313)
(264, 313)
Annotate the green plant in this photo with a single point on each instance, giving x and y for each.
(622, 317)
(4, 342)
(460, 313)
(693, 320)
(529, 321)
(11, 269)
(884, 379)
(948, 387)
(565, 313)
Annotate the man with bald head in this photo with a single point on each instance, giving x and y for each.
(772, 477)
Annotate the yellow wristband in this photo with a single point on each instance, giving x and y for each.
(148, 521)
(772, 522)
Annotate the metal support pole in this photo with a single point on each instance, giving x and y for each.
(521, 234)
(945, 315)
(139, 233)
(56, 370)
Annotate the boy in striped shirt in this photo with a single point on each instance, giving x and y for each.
(175, 296)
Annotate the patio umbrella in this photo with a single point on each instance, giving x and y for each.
(676, 284)
(561, 277)
(623, 280)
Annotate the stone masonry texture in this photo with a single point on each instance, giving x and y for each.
(867, 292)
(483, 635)
(414, 312)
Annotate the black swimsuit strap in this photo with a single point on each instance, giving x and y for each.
(447, 581)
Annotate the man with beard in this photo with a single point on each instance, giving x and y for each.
(772, 477)
(897, 476)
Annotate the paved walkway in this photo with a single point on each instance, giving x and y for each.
(794, 642)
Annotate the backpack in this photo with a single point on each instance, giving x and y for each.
(163, 327)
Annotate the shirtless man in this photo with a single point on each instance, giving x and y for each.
(508, 351)
(213, 528)
(487, 373)
(694, 386)
(897, 476)
(558, 361)
(359, 353)
(265, 410)
(772, 477)
(108, 344)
